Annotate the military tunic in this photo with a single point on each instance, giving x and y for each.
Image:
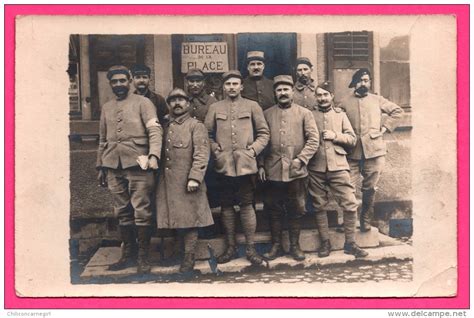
(259, 90)
(235, 128)
(328, 169)
(305, 95)
(185, 157)
(200, 105)
(160, 105)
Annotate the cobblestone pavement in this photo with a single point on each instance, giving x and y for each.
(399, 271)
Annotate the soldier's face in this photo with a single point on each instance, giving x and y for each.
(141, 82)
(255, 68)
(232, 87)
(120, 84)
(195, 86)
(284, 94)
(179, 106)
(303, 71)
(324, 97)
(363, 86)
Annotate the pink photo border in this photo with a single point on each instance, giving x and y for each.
(12, 301)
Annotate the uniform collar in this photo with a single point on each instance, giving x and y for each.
(300, 86)
(324, 110)
(148, 93)
(235, 100)
(203, 97)
(287, 107)
(181, 119)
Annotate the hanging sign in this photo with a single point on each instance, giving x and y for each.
(209, 57)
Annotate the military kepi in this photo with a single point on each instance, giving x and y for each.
(140, 69)
(117, 69)
(255, 55)
(327, 86)
(358, 75)
(231, 73)
(176, 92)
(303, 60)
(282, 79)
(195, 73)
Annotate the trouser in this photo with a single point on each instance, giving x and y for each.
(238, 190)
(131, 190)
(369, 169)
(339, 183)
(190, 237)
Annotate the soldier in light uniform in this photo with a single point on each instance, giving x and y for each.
(129, 128)
(141, 81)
(238, 133)
(181, 195)
(282, 165)
(198, 98)
(367, 159)
(256, 86)
(304, 86)
(329, 169)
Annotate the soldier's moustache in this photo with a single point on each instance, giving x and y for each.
(362, 91)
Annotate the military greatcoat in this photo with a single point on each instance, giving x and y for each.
(185, 156)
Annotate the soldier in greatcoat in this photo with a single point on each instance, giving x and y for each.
(305, 85)
(199, 99)
(181, 196)
(282, 165)
(238, 133)
(256, 86)
(129, 128)
(367, 159)
(329, 170)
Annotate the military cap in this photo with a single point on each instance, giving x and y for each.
(117, 69)
(140, 69)
(255, 55)
(303, 60)
(358, 75)
(327, 86)
(282, 79)
(176, 92)
(195, 73)
(231, 73)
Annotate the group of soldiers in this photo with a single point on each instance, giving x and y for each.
(287, 136)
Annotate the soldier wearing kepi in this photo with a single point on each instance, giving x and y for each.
(304, 86)
(181, 195)
(238, 133)
(129, 128)
(256, 86)
(198, 98)
(329, 169)
(282, 164)
(364, 111)
(141, 81)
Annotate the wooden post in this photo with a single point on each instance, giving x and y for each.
(85, 77)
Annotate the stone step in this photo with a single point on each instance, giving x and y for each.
(97, 268)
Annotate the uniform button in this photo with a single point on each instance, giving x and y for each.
(167, 149)
(259, 91)
(119, 120)
(233, 134)
(282, 145)
(327, 147)
(167, 159)
(171, 132)
(119, 141)
(233, 141)
(119, 130)
(194, 117)
(169, 139)
(167, 168)
(305, 97)
(232, 111)
(233, 126)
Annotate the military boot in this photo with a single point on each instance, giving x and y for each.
(275, 228)
(252, 255)
(128, 257)
(325, 249)
(144, 237)
(354, 249)
(188, 263)
(228, 222)
(294, 233)
(367, 210)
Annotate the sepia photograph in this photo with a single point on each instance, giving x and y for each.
(270, 156)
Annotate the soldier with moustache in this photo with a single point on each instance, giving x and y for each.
(304, 86)
(367, 159)
(329, 170)
(283, 165)
(256, 86)
(238, 133)
(129, 128)
(141, 81)
(181, 195)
